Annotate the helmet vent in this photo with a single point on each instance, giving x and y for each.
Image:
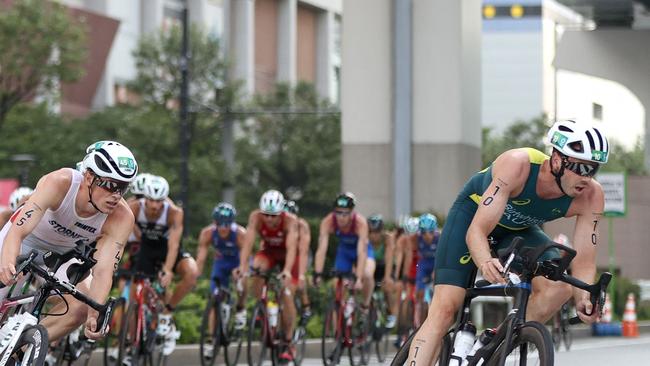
(564, 128)
(102, 165)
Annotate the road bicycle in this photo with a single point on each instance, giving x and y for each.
(377, 322)
(516, 340)
(342, 327)
(24, 341)
(561, 330)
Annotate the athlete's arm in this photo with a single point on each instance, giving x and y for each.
(303, 245)
(204, 245)
(389, 243)
(175, 221)
(110, 247)
(323, 241)
(509, 173)
(291, 227)
(585, 239)
(249, 240)
(49, 193)
(362, 245)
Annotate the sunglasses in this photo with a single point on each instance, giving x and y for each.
(112, 186)
(223, 223)
(342, 213)
(269, 215)
(582, 169)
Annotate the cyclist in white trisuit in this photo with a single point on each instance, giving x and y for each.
(68, 206)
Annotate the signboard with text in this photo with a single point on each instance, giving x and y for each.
(615, 189)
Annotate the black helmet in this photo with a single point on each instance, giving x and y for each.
(375, 222)
(291, 207)
(345, 200)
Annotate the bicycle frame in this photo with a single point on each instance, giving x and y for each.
(144, 294)
(341, 322)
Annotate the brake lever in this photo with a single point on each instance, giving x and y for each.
(104, 318)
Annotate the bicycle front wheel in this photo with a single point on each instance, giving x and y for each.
(209, 340)
(111, 340)
(531, 345)
(31, 347)
(332, 336)
(258, 331)
(232, 340)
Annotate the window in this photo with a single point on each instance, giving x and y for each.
(597, 111)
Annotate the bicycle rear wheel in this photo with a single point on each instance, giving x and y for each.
(31, 347)
(258, 331)
(360, 333)
(332, 336)
(129, 347)
(531, 345)
(209, 339)
(112, 339)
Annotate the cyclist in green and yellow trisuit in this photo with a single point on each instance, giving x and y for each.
(519, 191)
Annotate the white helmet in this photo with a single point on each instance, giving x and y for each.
(17, 195)
(412, 225)
(138, 184)
(156, 188)
(579, 140)
(272, 202)
(110, 159)
(80, 166)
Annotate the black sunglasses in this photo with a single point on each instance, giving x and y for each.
(582, 169)
(112, 186)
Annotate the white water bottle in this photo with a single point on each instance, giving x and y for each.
(272, 308)
(463, 344)
(481, 341)
(225, 312)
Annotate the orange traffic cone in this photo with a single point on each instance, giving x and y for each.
(607, 311)
(630, 327)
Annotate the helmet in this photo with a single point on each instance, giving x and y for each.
(272, 202)
(579, 140)
(156, 188)
(375, 222)
(110, 159)
(291, 206)
(80, 166)
(427, 222)
(224, 213)
(345, 200)
(411, 225)
(17, 195)
(137, 186)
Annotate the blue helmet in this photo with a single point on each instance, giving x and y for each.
(428, 223)
(291, 207)
(224, 213)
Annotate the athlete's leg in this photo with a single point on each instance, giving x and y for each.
(189, 272)
(288, 311)
(368, 281)
(426, 343)
(547, 298)
(262, 263)
(60, 326)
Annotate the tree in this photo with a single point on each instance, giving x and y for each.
(41, 45)
(298, 154)
(158, 63)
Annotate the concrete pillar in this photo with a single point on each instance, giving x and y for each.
(241, 43)
(324, 50)
(366, 95)
(287, 13)
(197, 11)
(151, 15)
(446, 100)
(104, 93)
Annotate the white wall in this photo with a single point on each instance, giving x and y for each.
(366, 96)
(623, 114)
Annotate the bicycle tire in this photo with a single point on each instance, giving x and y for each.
(380, 333)
(332, 336)
(126, 348)
(403, 353)
(405, 324)
(530, 333)
(359, 353)
(232, 342)
(113, 336)
(213, 337)
(300, 342)
(258, 330)
(35, 336)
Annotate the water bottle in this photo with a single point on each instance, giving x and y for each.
(463, 344)
(272, 308)
(482, 340)
(225, 312)
(349, 307)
